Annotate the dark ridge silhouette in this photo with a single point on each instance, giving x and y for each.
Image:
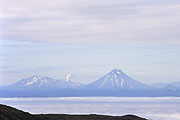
(10, 113)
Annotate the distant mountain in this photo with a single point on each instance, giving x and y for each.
(10, 113)
(116, 79)
(170, 88)
(39, 82)
(115, 83)
(175, 84)
(163, 85)
(159, 85)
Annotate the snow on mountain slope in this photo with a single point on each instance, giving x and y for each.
(116, 79)
(44, 82)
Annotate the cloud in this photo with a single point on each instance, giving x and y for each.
(166, 108)
(68, 21)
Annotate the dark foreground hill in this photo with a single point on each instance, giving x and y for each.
(9, 113)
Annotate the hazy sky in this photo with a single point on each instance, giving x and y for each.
(89, 38)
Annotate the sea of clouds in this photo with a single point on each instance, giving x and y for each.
(166, 108)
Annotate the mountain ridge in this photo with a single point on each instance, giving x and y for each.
(10, 113)
(41, 82)
(115, 83)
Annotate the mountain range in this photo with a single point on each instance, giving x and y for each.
(114, 83)
(39, 82)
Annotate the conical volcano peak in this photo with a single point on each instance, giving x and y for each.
(116, 71)
(116, 79)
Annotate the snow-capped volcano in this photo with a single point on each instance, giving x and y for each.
(44, 82)
(115, 83)
(118, 80)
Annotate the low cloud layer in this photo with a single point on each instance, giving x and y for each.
(92, 21)
(166, 108)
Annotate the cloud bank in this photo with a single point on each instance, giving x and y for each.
(91, 21)
(162, 108)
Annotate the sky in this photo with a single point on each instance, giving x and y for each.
(88, 39)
